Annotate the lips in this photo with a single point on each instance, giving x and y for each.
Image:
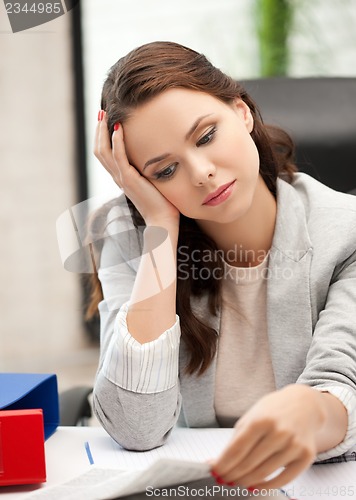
(218, 192)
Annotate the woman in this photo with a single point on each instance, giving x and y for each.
(241, 310)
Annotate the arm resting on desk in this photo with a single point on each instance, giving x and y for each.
(136, 421)
(136, 392)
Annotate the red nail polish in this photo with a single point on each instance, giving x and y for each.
(230, 483)
(116, 126)
(219, 480)
(213, 473)
(252, 489)
(99, 115)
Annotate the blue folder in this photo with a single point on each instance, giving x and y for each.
(27, 391)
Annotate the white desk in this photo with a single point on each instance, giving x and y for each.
(66, 458)
(66, 455)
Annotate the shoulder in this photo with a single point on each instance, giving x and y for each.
(316, 195)
(330, 216)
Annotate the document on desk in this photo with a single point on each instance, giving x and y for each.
(198, 445)
(166, 477)
(105, 484)
(115, 472)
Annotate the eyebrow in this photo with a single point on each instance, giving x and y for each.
(187, 137)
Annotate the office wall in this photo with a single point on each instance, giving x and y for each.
(40, 318)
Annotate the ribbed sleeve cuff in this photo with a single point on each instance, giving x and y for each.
(348, 399)
(143, 368)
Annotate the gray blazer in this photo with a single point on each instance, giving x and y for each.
(311, 313)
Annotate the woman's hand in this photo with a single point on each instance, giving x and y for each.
(152, 205)
(280, 430)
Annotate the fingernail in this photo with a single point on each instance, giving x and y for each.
(218, 479)
(230, 483)
(116, 126)
(252, 489)
(100, 115)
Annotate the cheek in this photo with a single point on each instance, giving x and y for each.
(247, 151)
(238, 145)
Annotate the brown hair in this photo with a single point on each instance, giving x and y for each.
(138, 77)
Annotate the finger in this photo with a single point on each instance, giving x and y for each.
(96, 137)
(246, 439)
(274, 444)
(102, 148)
(127, 173)
(264, 469)
(291, 471)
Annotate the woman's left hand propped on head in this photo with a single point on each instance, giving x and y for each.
(111, 152)
(279, 431)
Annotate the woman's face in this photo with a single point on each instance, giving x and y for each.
(191, 146)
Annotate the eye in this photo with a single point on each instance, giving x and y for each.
(167, 172)
(207, 137)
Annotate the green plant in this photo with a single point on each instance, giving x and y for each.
(274, 20)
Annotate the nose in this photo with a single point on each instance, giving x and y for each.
(201, 171)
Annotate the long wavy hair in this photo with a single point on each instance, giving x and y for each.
(141, 75)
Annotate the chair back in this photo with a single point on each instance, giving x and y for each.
(320, 116)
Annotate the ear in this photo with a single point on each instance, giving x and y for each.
(244, 113)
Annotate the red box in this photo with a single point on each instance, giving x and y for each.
(22, 453)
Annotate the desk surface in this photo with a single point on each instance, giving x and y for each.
(66, 458)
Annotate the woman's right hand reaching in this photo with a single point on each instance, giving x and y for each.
(155, 209)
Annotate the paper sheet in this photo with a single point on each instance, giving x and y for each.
(183, 444)
(104, 484)
(325, 482)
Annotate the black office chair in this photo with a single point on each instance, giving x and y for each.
(74, 406)
(320, 116)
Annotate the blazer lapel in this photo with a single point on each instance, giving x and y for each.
(289, 316)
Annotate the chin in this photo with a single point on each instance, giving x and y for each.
(233, 213)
